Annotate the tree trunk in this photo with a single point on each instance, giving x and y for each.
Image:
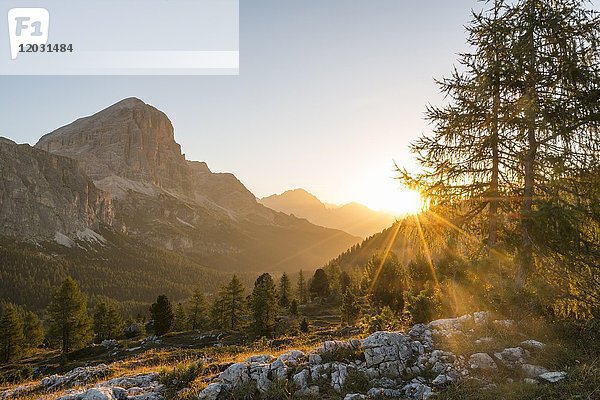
(526, 254)
(494, 192)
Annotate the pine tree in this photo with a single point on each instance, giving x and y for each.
(234, 303)
(301, 290)
(67, 317)
(284, 291)
(263, 302)
(11, 334)
(180, 320)
(350, 309)
(162, 315)
(108, 323)
(197, 310)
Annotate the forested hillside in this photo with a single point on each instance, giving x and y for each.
(121, 269)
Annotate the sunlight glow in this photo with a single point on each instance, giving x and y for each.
(395, 200)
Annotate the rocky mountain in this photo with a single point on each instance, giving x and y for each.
(43, 195)
(353, 218)
(129, 151)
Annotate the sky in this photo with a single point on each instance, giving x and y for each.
(330, 94)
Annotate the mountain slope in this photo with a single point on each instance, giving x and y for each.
(129, 150)
(118, 267)
(42, 195)
(353, 218)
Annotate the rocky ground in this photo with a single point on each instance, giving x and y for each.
(417, 364)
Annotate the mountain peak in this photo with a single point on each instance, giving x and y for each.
(301, 195)
(128, 103)
(129, 139)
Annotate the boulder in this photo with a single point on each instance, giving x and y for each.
(259, 373)
(417, 391)
(355, 396)
(482, 361)
(375, 393)
(292, 357)
(532, 345)
(235, 375)
(262, 359)
(512, 357)
(553, 377)
(301, 381)
(339, 373)
(533, 371)
(91, 394)
(481, 317)
(279, 370)
(211, 392)
(387, 347)
(450, 324)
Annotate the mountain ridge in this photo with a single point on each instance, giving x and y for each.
(129, 151)
(354, 218)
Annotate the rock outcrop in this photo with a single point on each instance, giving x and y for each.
(137, 387)
(387, 364)
(46, 196)
(129, 139)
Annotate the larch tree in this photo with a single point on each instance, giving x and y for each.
(234, 304)
(350, 309)
(33, 330)
(301, 290)
(197, 310)
(180, 319)
(555, 48)
(67, 317)
(320, 285)
(162, 315)
(217, 311)
(285, 291)
(466, 162)
(107, 322)
(12, 338)
(263, 303)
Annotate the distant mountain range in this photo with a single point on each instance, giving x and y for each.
(353, 218)
(120, 174)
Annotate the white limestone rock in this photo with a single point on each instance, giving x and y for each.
(553, 377)
(482, 361)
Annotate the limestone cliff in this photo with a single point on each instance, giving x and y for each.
(42, 194)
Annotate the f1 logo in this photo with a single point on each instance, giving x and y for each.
(27, 26)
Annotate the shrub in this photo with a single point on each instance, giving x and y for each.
(356, 382)
(16, 375)
(304, 326)
(180, 375)
(385, 320)
(424, 306)
(278, 390)
(247, 391)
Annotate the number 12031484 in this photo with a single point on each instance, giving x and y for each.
(46, 48)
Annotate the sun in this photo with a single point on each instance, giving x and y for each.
(388, 196)
(400, 202)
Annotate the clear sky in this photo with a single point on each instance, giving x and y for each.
(330, 93)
